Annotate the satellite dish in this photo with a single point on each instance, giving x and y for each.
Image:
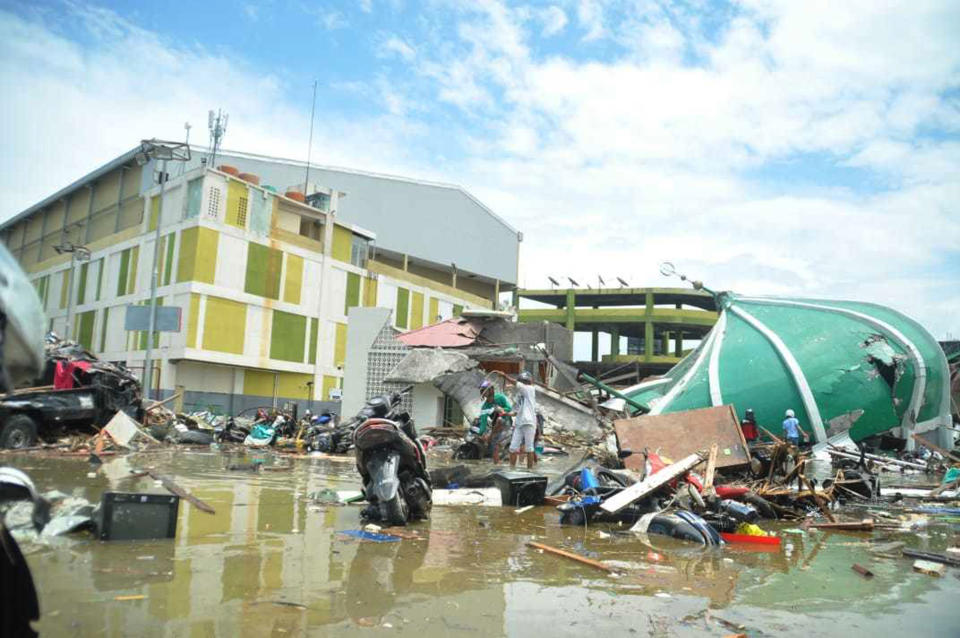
(667, 269)
(623, 283)
(573, 281)
(553, 281)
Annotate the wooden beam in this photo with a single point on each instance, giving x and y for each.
(650, 484)
(577, 557)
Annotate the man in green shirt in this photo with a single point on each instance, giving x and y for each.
(495, 413)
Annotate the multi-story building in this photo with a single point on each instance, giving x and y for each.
(263, 281)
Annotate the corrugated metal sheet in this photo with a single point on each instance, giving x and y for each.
(452, 333)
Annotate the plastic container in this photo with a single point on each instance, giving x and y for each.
(229, 170)
(296, 196)
(250, 177)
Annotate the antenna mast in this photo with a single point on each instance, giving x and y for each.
(313, 108)
(217, 124)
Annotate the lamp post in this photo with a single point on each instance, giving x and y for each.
(164, 151)
(81, 253)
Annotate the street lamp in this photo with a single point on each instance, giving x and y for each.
(164, 151)
(81, 253)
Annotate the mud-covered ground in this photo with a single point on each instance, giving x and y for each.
(271, 562)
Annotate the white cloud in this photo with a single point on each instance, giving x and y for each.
(609, 166)
(366, 5)
(590, 17)
(397, 46)
(554, 20)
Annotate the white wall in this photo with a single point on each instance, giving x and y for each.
(426, 405)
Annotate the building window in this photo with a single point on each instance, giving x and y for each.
(452, 413)
(311, 228)
(358, 251)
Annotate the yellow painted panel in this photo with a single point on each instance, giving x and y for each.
(224, 325)
(340, 345)
(293, 385)
(63, 288)
(369, 292)
(328, 384)
(154, 211)
(293, 279)
(193, 320)
(342, 240)
(206, 260)
(237, 204)
(434, 311)
(134, 260)
(198, 254)
(416, 311)
(258, 382)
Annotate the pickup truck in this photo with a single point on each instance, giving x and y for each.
(26, 416)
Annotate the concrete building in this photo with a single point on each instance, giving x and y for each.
(263, 281)
(655, 322)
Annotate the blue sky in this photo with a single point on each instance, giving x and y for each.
(764, 146)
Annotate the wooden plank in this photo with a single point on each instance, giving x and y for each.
(164, 402)
(776, 440)
(679, 434)
(711, 467)
(577, 557)
(173, 488)
(818, 499)
(865, 525)
(863, 571)
(650, 484)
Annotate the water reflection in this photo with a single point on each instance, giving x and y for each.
(270, 561)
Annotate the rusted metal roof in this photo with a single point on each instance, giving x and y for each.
(452, 333)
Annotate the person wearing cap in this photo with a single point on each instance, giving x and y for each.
(791, 429)
(495, 413)
(749, 426)
(525, 430)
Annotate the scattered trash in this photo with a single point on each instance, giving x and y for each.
(863, 571)
(370, 536)
(929, 568)
(489, 496)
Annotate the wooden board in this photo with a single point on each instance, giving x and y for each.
(648, 485)
(679, 434)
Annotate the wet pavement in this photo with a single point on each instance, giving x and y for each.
(271, 562)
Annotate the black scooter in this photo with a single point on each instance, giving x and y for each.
(391, 462)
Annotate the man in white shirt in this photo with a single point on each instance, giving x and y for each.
(525, 425)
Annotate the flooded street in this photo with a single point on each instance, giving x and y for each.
(272, 561)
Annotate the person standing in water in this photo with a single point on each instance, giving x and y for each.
(525, 430)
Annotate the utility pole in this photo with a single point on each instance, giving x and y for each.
(164, 151)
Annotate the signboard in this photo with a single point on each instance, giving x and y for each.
(168, 318)
(336, 394)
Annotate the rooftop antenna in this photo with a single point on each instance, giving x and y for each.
(186, 127)
(667, 269)
(217, 124)
(313, 108)
(602, 282)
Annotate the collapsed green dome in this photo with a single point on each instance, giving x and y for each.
(842, 366)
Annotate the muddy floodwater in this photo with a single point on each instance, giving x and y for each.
(272, 561)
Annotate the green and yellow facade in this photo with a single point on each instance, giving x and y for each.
(263, 282)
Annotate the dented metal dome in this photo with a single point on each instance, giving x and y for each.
(844, 367)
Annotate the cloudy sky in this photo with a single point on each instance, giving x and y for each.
(806, 148)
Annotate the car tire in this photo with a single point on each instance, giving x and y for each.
(19, 431)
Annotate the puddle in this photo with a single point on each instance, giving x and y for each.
(270, 562)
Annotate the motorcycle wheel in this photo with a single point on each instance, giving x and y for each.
(394, 511)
